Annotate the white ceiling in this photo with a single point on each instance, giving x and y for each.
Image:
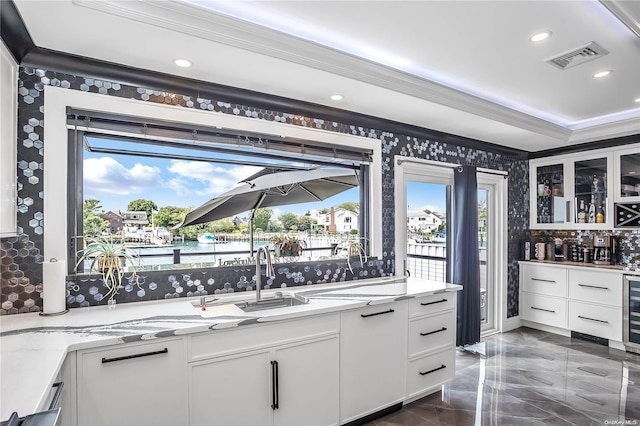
(462, 67)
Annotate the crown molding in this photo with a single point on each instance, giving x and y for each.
(195, 21)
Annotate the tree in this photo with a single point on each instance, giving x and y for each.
(142, 205)
(350, 205)
(289, 221)
(261, 218)
(92, 222)
(324, 211)
(170, 216)
(91, 205)
(305, 223)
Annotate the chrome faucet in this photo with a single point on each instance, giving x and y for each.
(269, 272)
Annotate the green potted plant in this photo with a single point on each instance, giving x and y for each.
(109, 257)
(287, 245)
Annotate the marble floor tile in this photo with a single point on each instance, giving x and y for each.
(531, 377)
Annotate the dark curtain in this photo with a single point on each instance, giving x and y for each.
(466, 262)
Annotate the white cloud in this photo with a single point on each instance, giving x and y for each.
(105, 175)
(215, 179)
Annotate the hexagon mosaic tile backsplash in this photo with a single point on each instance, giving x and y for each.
(21, 264)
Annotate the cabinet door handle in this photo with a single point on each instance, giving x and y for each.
(274, 385)
(544, 281)
(433, 303)
(593, 286)
(434, 332)
(432, 371)
(122, 358)
(593, 319)
(545, 310)
(567, 212)
(56, 395)
(377, 313)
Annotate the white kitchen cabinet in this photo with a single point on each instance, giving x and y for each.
(431, 344)
(308, 379)
(544, 294)
(8, 144)
(373, 347)
(585, 300)
(284, 373)
(134, 384)
(595, 303)
(230, 391)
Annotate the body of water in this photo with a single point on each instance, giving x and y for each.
(195, 252)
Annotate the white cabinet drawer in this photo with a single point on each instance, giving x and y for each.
(225, 342)
(596, 287)
(432, 332)
(431, 304)
(426, 373)
(544, 309)
(548, 280)
(596, 320)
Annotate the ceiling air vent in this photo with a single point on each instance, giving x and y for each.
(578, 56)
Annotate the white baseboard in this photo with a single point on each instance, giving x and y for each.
(511, 324)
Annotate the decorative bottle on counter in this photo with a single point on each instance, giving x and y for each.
(582, 215)
(591, 217)
(600, 215)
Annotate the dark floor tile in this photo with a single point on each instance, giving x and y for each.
(531, 377)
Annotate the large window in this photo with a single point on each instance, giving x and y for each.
(134, 181)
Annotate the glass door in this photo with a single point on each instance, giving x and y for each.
(590, 191)
(627, 179)
(423, 237)
(549, 189)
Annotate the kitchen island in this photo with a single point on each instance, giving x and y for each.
(33, 347)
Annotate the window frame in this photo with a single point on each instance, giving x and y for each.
(57, 172)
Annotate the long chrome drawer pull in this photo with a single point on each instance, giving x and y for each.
(377, 313)
(434, 332)
(432, 371)
(544, 281)
(122, 358)
(433, 303)
(540, 309)
(593, 319)
(593, 286)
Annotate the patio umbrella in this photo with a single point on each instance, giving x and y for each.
(273, 189)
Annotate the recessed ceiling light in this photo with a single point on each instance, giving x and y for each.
(637, 100)
(540, 36)
(602, 74)
(337, 97)
(183, 63)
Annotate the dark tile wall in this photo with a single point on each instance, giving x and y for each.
(21, 268)
(628, 241)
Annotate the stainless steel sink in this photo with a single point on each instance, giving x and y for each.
(279, 300)
(283, 301)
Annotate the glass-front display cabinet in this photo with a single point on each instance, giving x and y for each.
(571, 192)
(590, 191)
(627, 182)
(549, 207)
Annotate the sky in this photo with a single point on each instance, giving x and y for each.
(115, 180)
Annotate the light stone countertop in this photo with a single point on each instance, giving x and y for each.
(33, 347)
(581, 265)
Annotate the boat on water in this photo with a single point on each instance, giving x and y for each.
(439, 237)
(207, 238)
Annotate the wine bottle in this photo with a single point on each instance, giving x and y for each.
(582, 215)
(591, 217)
